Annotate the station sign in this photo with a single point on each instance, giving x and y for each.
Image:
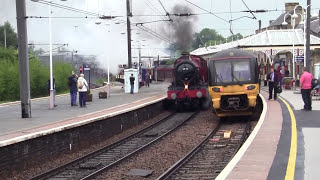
(86, 67)
(299, 58)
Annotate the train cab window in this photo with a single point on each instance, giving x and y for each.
(226, 72)
(241, 71)
(223, 72)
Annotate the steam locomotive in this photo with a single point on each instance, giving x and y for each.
(233, 83)
(190, 82)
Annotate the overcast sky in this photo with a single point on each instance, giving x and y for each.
(107, 41)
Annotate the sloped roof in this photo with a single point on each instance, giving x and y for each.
(269, 38)
(149, 52)
(315, 26)
(279, 20)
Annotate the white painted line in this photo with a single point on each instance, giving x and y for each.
(73, 125)
(226, 171)
(40, 98)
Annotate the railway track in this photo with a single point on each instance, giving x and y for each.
(93, 164)
(209, 158)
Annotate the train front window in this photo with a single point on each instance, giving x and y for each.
(224, 72)
(241, 71)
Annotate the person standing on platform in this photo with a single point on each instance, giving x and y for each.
(82, 88)
(306, 87)
(132, 83)
(273, 83)
(147, 79)
(73, 88)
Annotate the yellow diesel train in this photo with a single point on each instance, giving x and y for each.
(233, 83)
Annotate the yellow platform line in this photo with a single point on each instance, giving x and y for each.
(293, 147)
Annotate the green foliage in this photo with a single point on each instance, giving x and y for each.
(39, 75)
(62, 71)
(171, 61)
(206, 36)
(287, 81)
(101, 80)
(11, 36)
(9, 81)
(235, 37)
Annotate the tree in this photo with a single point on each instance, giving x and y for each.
(206, 36)
(235, 37)
(11, 36)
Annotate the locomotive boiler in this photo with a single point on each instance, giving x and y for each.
(190, 82)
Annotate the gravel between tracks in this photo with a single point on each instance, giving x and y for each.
(43, 167)
(163, 154)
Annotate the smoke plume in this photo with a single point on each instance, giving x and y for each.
(183, 27)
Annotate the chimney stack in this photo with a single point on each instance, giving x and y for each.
(259, 26)
(290, 6)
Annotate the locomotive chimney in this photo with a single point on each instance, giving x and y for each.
(185, 53)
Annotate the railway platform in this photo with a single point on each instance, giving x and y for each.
(14, 129)
(283, 144)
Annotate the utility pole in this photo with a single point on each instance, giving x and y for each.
(23, 59)
(307, 56)
(129, 34)
(5, 37)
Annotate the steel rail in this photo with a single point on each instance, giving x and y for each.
(183, 161)
(55, 171)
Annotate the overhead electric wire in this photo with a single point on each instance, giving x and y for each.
(45, 44)
(167, 13)
(224, 12)
(154, 33)
(148, 22)
(206, 11)
(249, 9)
(68, 8)
(71, 17)
(55, 48)
(154, 9)
(75, 9)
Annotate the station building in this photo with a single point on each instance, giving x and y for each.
(274, 45)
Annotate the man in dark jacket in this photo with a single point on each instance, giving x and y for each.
(72, 83)
(273, 83)
(132, 83)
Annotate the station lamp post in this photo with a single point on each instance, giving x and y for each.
(98, 22)
(293, 34)
(304, 23)
(51, 104)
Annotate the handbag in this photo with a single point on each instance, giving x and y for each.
(279, 89)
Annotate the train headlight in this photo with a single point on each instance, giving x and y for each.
(199, 94)
(250, 87)
(173, 96)
(215, 89)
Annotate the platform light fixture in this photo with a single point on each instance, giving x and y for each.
(51, 99)
(293, 34)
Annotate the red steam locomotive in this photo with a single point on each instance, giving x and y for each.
(190, 82)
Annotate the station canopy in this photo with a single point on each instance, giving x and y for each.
(281, 40)
(153, 53)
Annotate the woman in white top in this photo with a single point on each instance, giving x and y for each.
(82, 88)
